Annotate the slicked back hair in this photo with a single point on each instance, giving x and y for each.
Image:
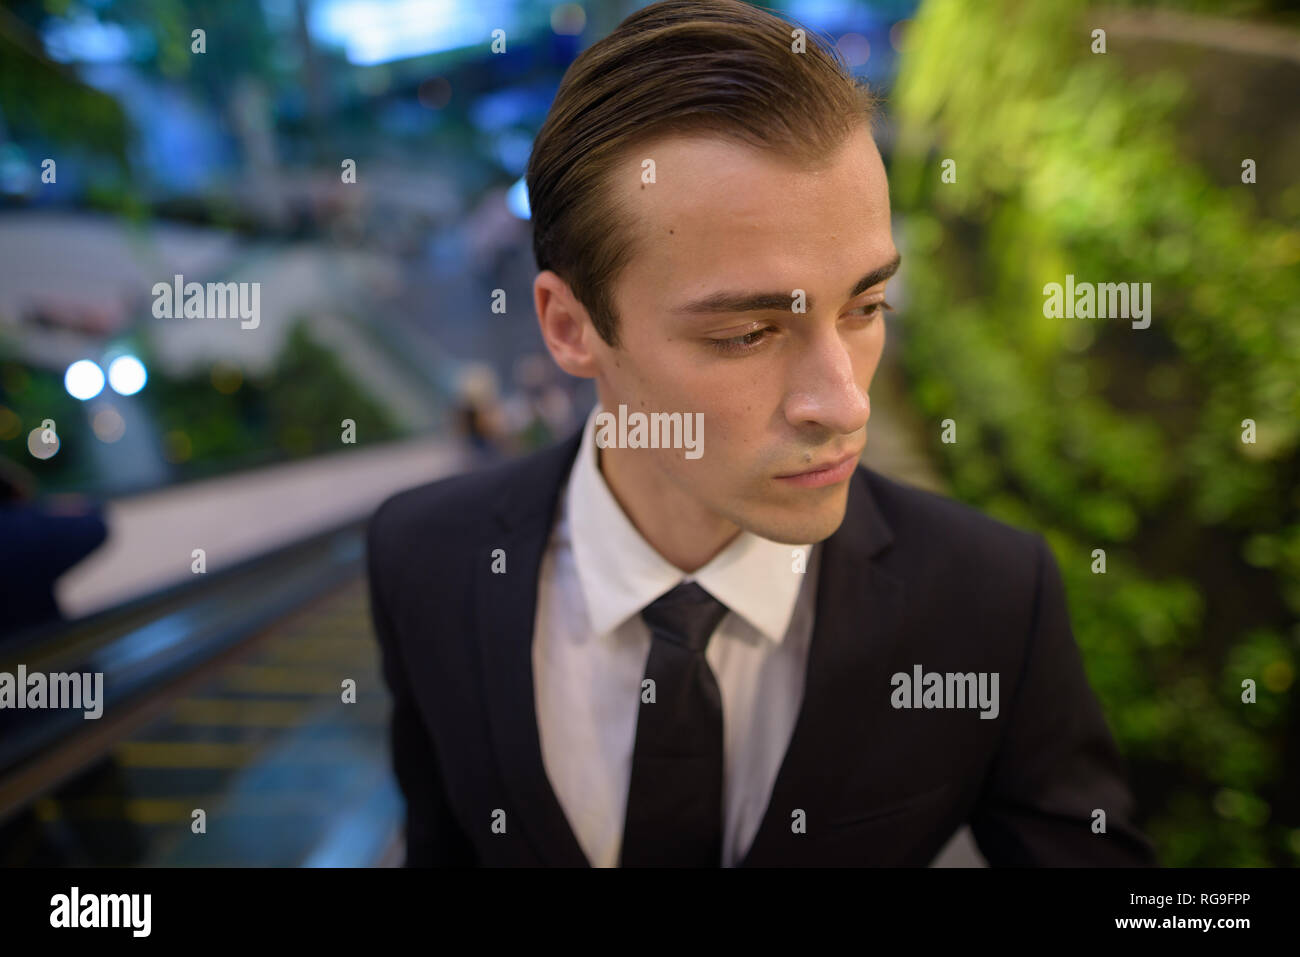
(720, 68)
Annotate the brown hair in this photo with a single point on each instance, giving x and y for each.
(722, 68)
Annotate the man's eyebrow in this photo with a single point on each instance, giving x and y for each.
(775, 301)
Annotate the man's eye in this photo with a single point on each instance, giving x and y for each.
(740, 344)
(874, 309)
(750, 341)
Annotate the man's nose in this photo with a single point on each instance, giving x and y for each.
(825, 390)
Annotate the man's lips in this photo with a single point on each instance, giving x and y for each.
(825, 473)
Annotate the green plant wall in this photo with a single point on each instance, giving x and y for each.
(1105, 436)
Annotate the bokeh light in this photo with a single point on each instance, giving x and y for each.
(855, 49)
(108, 425)
(568, 19)
(127, 375)
(177, 447)
(37, 445)
(10, 424)
(898, 34)
(226, 377)
(84, 380)
(435, 93)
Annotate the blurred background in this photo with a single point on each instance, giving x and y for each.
(182, 499)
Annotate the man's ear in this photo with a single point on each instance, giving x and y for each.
(566, 326)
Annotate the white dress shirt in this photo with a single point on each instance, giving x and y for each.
(590, 648)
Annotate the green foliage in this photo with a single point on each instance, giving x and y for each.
(43, 100)
(1105, 436)
(294, 412)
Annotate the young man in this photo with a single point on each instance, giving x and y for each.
(698, 633)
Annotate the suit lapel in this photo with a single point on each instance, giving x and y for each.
(855, 627)
(507, 606)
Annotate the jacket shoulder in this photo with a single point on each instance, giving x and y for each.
(951, 535)
(452, 506)
(458, 508)
(967, 574)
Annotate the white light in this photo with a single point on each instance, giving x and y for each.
(127, 376)
(377, 31)
(83, 380)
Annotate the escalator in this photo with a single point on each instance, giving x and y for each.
(225, 739)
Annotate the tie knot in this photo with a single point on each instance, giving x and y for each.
(686, 616)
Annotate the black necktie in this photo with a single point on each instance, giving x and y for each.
(674, 801)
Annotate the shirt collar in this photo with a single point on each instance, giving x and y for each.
(620, 573)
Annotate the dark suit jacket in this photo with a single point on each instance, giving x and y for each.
(909, 578)
(37, 545)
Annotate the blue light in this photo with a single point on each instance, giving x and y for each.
(517, 199)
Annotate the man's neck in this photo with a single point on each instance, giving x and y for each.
(681, 531)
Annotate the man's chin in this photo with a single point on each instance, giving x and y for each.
(796, 527)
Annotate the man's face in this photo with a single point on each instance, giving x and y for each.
(782, 392)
